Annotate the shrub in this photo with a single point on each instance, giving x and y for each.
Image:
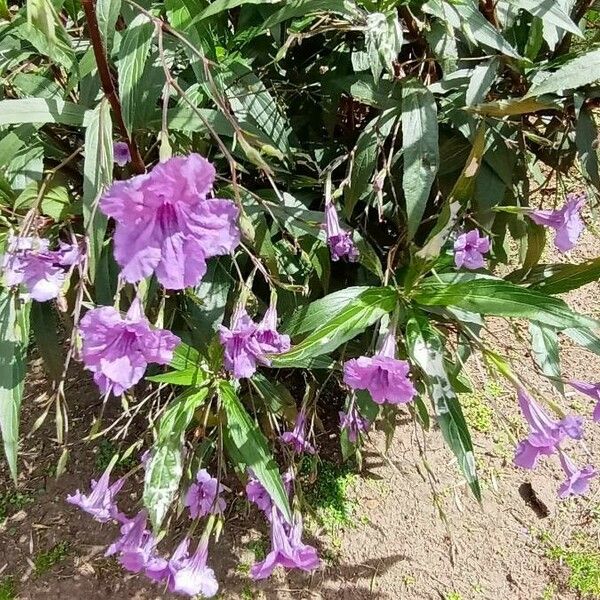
(214, 203)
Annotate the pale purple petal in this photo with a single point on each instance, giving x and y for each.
(469, 249)
(121, 153)
(339, 241)
(577, 482)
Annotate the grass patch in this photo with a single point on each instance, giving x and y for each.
(259, 547)
(584, 566)
(106, 450)
(477, 411)
(44, 561)
(12, 502)
(453, 596)
(8, 588)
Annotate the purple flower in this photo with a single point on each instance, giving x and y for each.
(566, 221)
(577, 482)
(167, 225)
(121, 153)
(287, 549)
(30, 262)
(383, 375)
(100, 503)
(258, 494)
(296, 437)
(593, 391)
(184, 574)
(246, 343)
(339, 241)
(136, 546)
(353, 423)
(203, 497)
(545, 435)
(117, 350)
(469, 249)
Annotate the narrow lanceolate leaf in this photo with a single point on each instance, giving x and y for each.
(420, 150)
(45, 330)
(165, 466)
(546, 352)
(97, 174)
(564, 277)
(41, 110)
(586, 139)
(501, 298)
(549, 11)
(14, 338)
(583, 70)
(245, 443)
(347, 323)
(107, 12)
(133, 54)
(426, 349)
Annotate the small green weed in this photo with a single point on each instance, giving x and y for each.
(585, 569)
(549, 592)
(453, 596)
(8, 588)
(247, 593)
(478, 413)
(12, 502)
(259, 547)
(106, 450)
(44, 561)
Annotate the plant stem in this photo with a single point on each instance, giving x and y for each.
(89, 9)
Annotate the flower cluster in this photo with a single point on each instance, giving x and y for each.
(167, 224)
(248, 344)
(30, 262)
(353, 423)
(545, 438)
(117, 350)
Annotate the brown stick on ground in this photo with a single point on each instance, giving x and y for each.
(89, 9)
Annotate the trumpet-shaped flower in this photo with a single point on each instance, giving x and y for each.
(339, 241)
(577, 482)
(354, 423)
(545, 435)
(566, 221)
(383, 375)
(203, 496)
(100, 502)
(117, 350)
(29, 262)
(469, 249)
(593, 391)
(296, 438)
(167, 225)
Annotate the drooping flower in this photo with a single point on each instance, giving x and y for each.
(287, 548)
(566, 221)
(258, 494)
(339, 241)
(167, 225)
(469, 249)
(545, 435)
(296, 438)
(121, 153)
(383, 375)
(117, 350)
(100, 503)
(592, 390)
(354, 423)
(30, 262)
(203, 496)
(246, 343)
(184, 574)
(136, 547)
(577, 482)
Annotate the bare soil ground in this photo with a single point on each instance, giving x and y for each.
(416, 531)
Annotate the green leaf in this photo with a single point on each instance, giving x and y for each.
(133, 54)
(276, 396)
(313, 315)
(586, 139)
(503, 299)
(192, 375)
(40, 110)
(184, 357)
(14, 338)
(576, 73)
(107, 12)
(546, 352)
(348, 322)
(549, 11)
(219, 6)
(301, 8)
(45, 329)
(420, 150)
(245, 440)
(165, 467)
(565, 277)
(97, 174)
(481, 81)
(426, 349)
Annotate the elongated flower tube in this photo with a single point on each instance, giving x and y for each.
(339, 241)
(42, 272)
(469, 249)
(546, 434)
(100, 503)
(593, 391)
(117, 350)
(168, 225)
(383, 375)
(354, 423)
(577, 482)
(566, 221)
(296, 438)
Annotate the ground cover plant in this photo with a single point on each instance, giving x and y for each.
(241, 217)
